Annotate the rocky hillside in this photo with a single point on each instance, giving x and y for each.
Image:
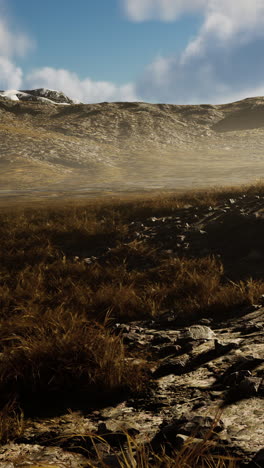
(47, 141)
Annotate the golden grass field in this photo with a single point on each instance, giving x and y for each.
(57, 310)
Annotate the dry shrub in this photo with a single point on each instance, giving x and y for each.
(11, 422)
(202, 453)
(233, 295)
(60, 355)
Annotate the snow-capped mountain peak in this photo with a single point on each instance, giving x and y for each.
(38, 95)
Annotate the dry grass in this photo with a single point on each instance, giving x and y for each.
(60, 360)
(54, 306)
(11, 422)
(198, 454)
(194, 453)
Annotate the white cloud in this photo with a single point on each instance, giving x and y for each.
(165, 10)
(235, 22)
(224, 59)
(223, 62)
(13, 44)
(10, 75)
(84, 90)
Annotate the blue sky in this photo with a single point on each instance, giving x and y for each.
(96, 39)
(177, 51)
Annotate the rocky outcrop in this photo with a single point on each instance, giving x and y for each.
(37, 95)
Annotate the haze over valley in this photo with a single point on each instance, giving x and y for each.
(50, 143)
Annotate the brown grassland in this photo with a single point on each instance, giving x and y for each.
(57, 310)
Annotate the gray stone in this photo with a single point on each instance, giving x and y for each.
(36, 455)
(172, 366)
(197, 332)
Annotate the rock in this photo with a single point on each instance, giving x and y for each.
(115, 432)
(205, 321)
(112, 426)
(242, 363)
(261, 300)
(175, 432)
(169, 350)
(197, 332)
(236, 377)
(38, 456)
(223, 347)
(114, 439)
(246, 388)
(172, 366)
(181, 440)
(261, 388)
(55, 96)
(160, 339)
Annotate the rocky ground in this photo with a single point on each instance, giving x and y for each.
(209, 374)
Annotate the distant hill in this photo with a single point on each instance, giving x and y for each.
(47, 140)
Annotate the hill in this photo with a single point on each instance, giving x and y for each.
(49, 142)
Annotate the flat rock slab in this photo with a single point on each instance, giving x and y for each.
(244, 423)
(27, 455)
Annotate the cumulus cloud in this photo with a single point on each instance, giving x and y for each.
(12, 44)
(85, 90)
(236, 22)
(10, 75)
(15, 44)
(224, 59)
(166, 10)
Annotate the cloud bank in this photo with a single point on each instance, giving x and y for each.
(85, 90)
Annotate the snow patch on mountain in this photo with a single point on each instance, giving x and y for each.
(38, 95)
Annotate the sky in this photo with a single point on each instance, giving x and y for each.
(171, 51)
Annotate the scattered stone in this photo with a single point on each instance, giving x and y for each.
(178, 431)
(246, 388)
(172, 366)
(236, 377)
(197, 332)
(161, 339)
(38, 456)
(169, 350)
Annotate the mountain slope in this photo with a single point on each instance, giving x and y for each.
(48, 144)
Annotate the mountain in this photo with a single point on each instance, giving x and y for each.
(47, 141)
(37, 95)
